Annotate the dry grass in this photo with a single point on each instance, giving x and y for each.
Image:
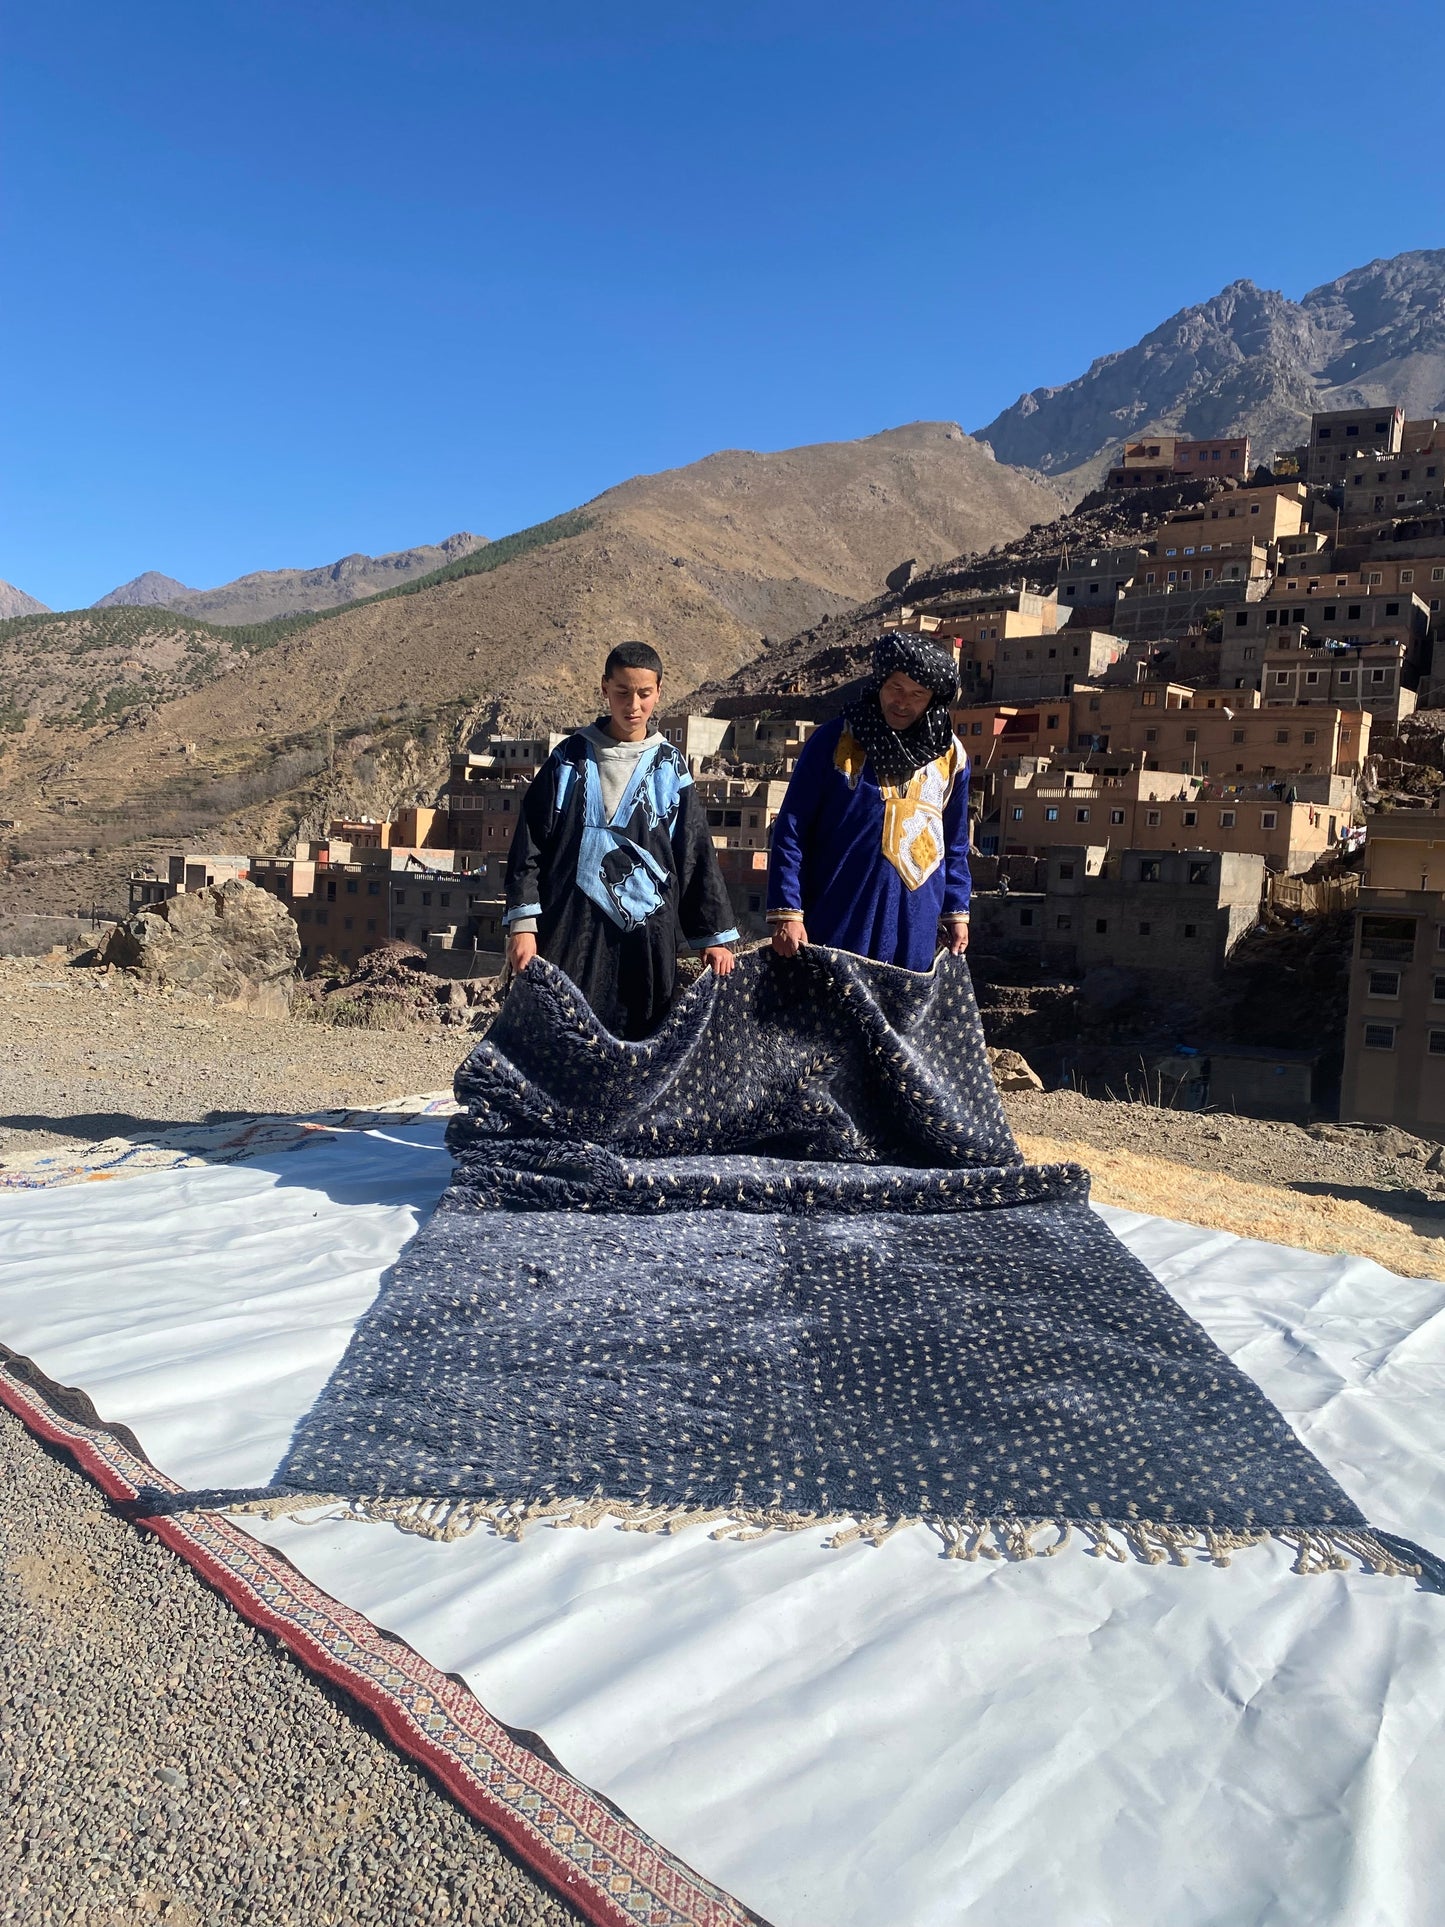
(1411, 1247)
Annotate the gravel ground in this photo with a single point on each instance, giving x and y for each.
(163, 1760)
(84, 1054)
(1375, 1164)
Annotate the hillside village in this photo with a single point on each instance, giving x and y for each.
(1177, 736)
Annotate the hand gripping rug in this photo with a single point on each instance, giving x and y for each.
(781, 1264)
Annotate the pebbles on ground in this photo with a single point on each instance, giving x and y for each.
(161, 1760)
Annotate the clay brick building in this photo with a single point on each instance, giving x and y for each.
(190, 870)
(1172, 914)
(1340, 437)
(1154, 460)
(1290, 824)
(1395, 1034)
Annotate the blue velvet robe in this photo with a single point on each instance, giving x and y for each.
(871, 870)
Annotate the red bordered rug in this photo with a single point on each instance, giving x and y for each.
(603, 1865)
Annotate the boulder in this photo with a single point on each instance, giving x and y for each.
(233, 943)
(1013, 1072)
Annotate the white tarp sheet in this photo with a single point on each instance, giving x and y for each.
(857, 1737)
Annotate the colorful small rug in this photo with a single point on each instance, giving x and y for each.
(607, 1868)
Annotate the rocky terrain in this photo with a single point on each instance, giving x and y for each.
(123, 731)
(1248, 361)
(817, 662)
(15, 602)
(268, 593)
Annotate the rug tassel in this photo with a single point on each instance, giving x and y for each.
(1316, 1549)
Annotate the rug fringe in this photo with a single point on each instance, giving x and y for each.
(1151, 1542)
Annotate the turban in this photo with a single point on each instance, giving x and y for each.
(897, 754)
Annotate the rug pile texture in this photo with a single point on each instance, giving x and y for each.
(783, 1263)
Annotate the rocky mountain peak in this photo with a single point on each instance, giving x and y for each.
(15, 602)
(1247, 360)
(143, 592)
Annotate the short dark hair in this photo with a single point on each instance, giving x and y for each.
(632, 655)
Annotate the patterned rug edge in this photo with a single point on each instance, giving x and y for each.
(1316, 1549)
(600, 1862)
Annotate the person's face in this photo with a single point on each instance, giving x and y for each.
(903, 700)
(631, 696)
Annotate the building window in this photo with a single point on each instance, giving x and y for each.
(1066, 871)
(1063, 923)
(1116, 816)
(1226, 819)
(1152, 818)
(1379, 1036)
(1017, 815)
(1387, 939)
(1281, 735)
(1438, 992)
(1149, 870)
(1437, 1043)
(1051, 814)
(1101, 926)
(1199, 873)
(373, 889)
(1081, 816)
(1151, 735)
(1268, 819)
(426, 896)
(1144, 929)
(1189, 818)
(1386, 983)
(1026, 917)
(1191, 929)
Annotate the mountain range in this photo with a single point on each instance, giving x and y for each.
(283, 592)
(234, 717)
(1248, 361)
(143, 720)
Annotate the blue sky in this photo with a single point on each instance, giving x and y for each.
(291, 278)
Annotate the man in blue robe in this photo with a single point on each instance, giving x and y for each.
(870, 848)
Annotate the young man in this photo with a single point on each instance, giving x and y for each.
(611, 863)
(870, 848)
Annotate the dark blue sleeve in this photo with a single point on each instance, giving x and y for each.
(794, 824)
(957, 882)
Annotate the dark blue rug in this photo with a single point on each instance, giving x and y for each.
(783, 1263)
